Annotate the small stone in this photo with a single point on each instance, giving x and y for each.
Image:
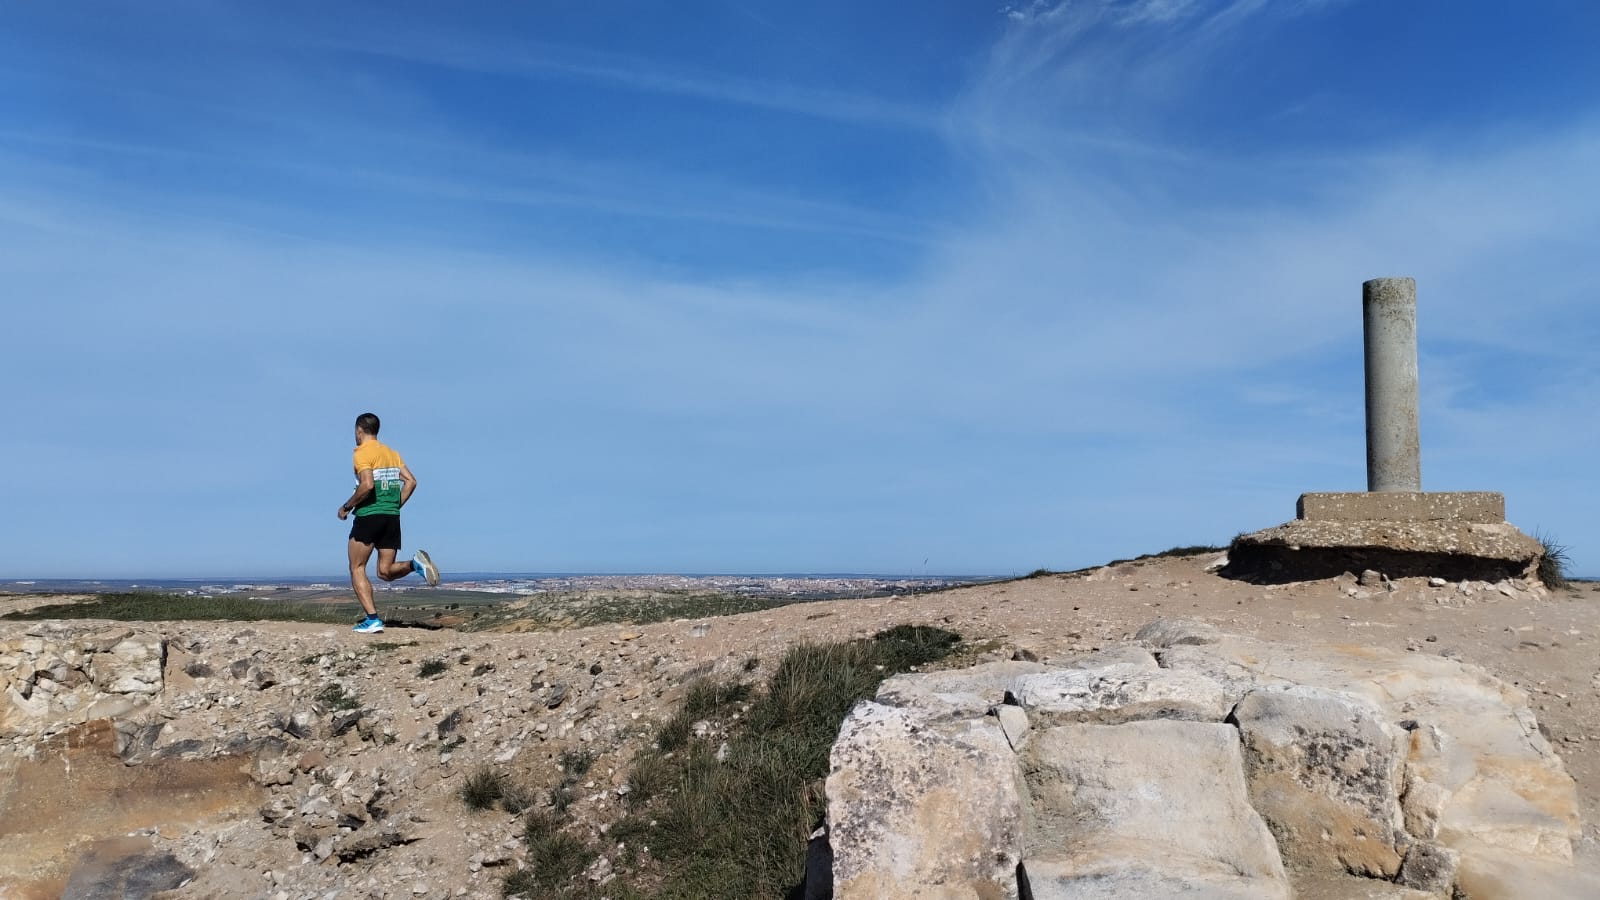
(1437, 582)
(558, 694)
(1014, 722)
(1429, 867)
(596, 669)
(1370, 578)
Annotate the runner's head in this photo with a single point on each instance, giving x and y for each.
(367, 424)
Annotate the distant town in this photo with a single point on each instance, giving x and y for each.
(786, 587)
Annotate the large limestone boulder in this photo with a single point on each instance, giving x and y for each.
(1207, 776)
(920, 809)
(1111, 800)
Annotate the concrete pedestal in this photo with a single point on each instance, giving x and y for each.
(1482, 507)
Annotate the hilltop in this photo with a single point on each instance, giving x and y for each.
(263, 740)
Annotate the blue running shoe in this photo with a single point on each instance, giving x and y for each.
(369, 625)
(421, 563)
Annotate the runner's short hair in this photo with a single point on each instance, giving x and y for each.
(368, 422)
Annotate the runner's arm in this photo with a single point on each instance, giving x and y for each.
(363, 488)
(408, 483)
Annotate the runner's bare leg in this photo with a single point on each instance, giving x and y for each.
(388, 569)
(359, 554)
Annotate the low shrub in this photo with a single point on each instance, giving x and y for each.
(483, 789)
(732, 814)
(1553, 564)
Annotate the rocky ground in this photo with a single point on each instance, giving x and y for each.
(300, 761)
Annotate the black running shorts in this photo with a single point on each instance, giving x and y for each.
(380, 530)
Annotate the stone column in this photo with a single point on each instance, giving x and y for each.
(1389, 318)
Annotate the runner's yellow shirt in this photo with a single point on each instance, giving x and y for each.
(385, 465)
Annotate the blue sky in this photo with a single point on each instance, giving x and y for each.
(715, 286)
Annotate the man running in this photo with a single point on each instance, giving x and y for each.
(383, 485)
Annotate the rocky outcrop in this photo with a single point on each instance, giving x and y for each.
(54, 674)
(1219, 774)
(303, 761)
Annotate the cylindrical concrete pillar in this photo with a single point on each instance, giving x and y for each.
(1389, 318)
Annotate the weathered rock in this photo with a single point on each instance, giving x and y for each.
(922, 810)
(1121, 693)
(1110, 801)
(1494, 873)
(1136, 878)
(111, 707)
(1163, 633)
(961, 693)
(1305, 549)
(1324, 771)
(132, 666)
(1477, 772)
(1014, 722)
(1429, 867)
(124, 869)
(1121, 654)
(370, 840)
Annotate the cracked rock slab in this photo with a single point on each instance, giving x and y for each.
(1111, 800)
(1121, 693)
(922, 810)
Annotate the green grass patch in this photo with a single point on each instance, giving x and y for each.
(555, 859)
(140, 606)
(486, 788)
(1189, 550)
(737, 827)
(556, 611)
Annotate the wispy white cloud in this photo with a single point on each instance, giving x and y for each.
(527, 59)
